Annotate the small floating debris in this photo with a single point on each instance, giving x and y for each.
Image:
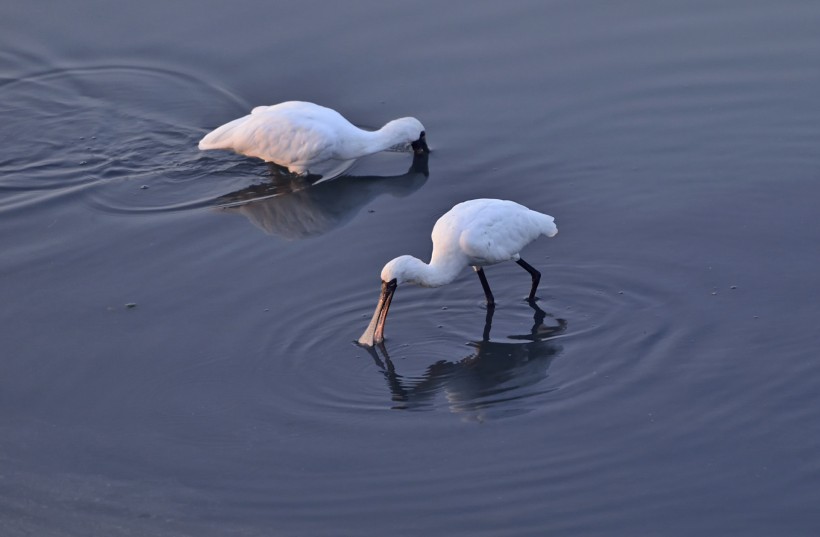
(371, 211)
(131, 305)
(733, 287)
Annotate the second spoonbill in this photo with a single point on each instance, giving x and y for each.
(474, 233)
(299, 135)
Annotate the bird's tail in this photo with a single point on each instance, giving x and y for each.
(221, 137)
(548, 226)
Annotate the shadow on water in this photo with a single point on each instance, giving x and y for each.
(299, 207)
(494, 374)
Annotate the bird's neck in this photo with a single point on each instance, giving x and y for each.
(440, 271)
(363, 142)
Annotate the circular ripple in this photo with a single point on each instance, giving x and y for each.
(582, 342)
(125, 136)
(622, 327)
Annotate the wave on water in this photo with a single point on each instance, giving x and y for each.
(124, 136)
(575, 346)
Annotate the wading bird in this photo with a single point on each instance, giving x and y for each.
(299, 135)
(476, 233)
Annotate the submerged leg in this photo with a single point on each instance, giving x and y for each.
(537, 318)
(488, 324)
(486, 286)
(536, 277)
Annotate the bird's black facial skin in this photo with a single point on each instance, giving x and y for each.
(420, 145)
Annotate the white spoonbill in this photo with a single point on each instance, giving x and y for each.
(298, 135)
(477, 233)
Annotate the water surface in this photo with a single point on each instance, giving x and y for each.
(178, 326)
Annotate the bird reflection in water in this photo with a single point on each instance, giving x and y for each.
(298, 207)
(495, 374)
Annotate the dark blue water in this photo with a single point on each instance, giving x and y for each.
(177, 327)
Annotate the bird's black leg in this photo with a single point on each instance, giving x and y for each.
(537, 318)
(486, 286)
(536, 277)
(488, 324)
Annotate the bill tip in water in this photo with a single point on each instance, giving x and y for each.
(367, 339)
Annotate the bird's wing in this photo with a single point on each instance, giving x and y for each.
(495, 237)
(280, 136)
(306, 139)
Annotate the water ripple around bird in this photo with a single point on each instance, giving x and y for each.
(444, 352)
(111, 138)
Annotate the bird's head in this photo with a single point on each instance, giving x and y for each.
(403, 269)
(409, 130)
(420, 145)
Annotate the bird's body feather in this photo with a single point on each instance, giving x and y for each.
(299, 135)
(474, 233)
(488, 231)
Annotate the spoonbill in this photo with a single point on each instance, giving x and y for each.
(298, 135)
(477, 233)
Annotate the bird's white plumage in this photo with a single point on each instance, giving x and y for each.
(477, 233)
(491, 231)
(299, 135)
(473, 233)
